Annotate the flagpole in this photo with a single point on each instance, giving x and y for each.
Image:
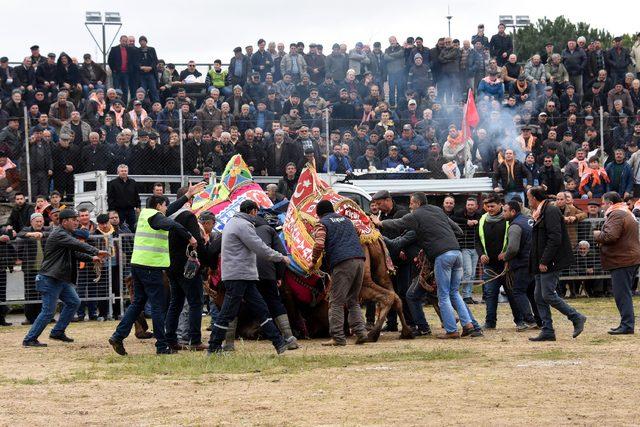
(464, 119)
(326, 121)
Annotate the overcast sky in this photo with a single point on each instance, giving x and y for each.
(204, 30)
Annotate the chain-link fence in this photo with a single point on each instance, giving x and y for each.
(103, 292)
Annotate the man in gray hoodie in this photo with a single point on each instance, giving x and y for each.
(240, 248)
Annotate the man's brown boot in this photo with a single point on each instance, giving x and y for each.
(448, 335)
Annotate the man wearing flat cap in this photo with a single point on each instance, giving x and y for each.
(36, 58)
(56, 277)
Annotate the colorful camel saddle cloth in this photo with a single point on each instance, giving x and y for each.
(224, 198)
(301, 217)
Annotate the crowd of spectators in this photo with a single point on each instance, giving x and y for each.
(398, 106)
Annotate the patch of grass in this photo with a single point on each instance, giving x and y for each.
(599, 341)
(195, 365)
(552, 355)
(28, 381)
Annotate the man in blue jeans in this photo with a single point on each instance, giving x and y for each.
(551, 252)
(437, 236)
(468, 219)
(416, 297)
(55, 279)
(149, 259)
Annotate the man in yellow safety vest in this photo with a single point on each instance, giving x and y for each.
(149, 259)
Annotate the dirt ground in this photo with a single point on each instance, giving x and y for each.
(500, 379)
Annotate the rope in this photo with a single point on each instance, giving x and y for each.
(508, 283)
(97, 269)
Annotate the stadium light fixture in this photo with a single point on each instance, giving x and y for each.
(519, 21)
(110, 18)
(507, 20)
(93, 17)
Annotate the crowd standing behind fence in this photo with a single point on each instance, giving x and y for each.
(157, 120)
(566, 120)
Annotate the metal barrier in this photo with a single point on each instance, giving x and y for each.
(100, 292)
(587, 260)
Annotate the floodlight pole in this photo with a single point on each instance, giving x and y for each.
(104, 49)
(515, 26)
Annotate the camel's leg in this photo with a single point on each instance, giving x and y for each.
(319, 319)
(380, 276)
(368, 293)
(385, 299)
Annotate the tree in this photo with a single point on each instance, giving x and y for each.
(532, 39)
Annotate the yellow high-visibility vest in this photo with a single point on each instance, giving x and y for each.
(150, 247)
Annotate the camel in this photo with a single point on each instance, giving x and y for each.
(309, 314)
(310, 320)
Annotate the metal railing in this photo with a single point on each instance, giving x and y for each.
(587, 264)
(99, 289)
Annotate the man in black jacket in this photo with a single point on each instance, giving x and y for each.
(21, 212)
(551, 176)
(92, 75)
(147, 64)
(289, 181)
(56, 277)
(551, 252)
(66, 158)
(516, 254)
(501, 45)
(41, 163)
(510, 176)
(343, 113)
(437, 234)
(491, 242)
(182, 287)
(123, 197)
